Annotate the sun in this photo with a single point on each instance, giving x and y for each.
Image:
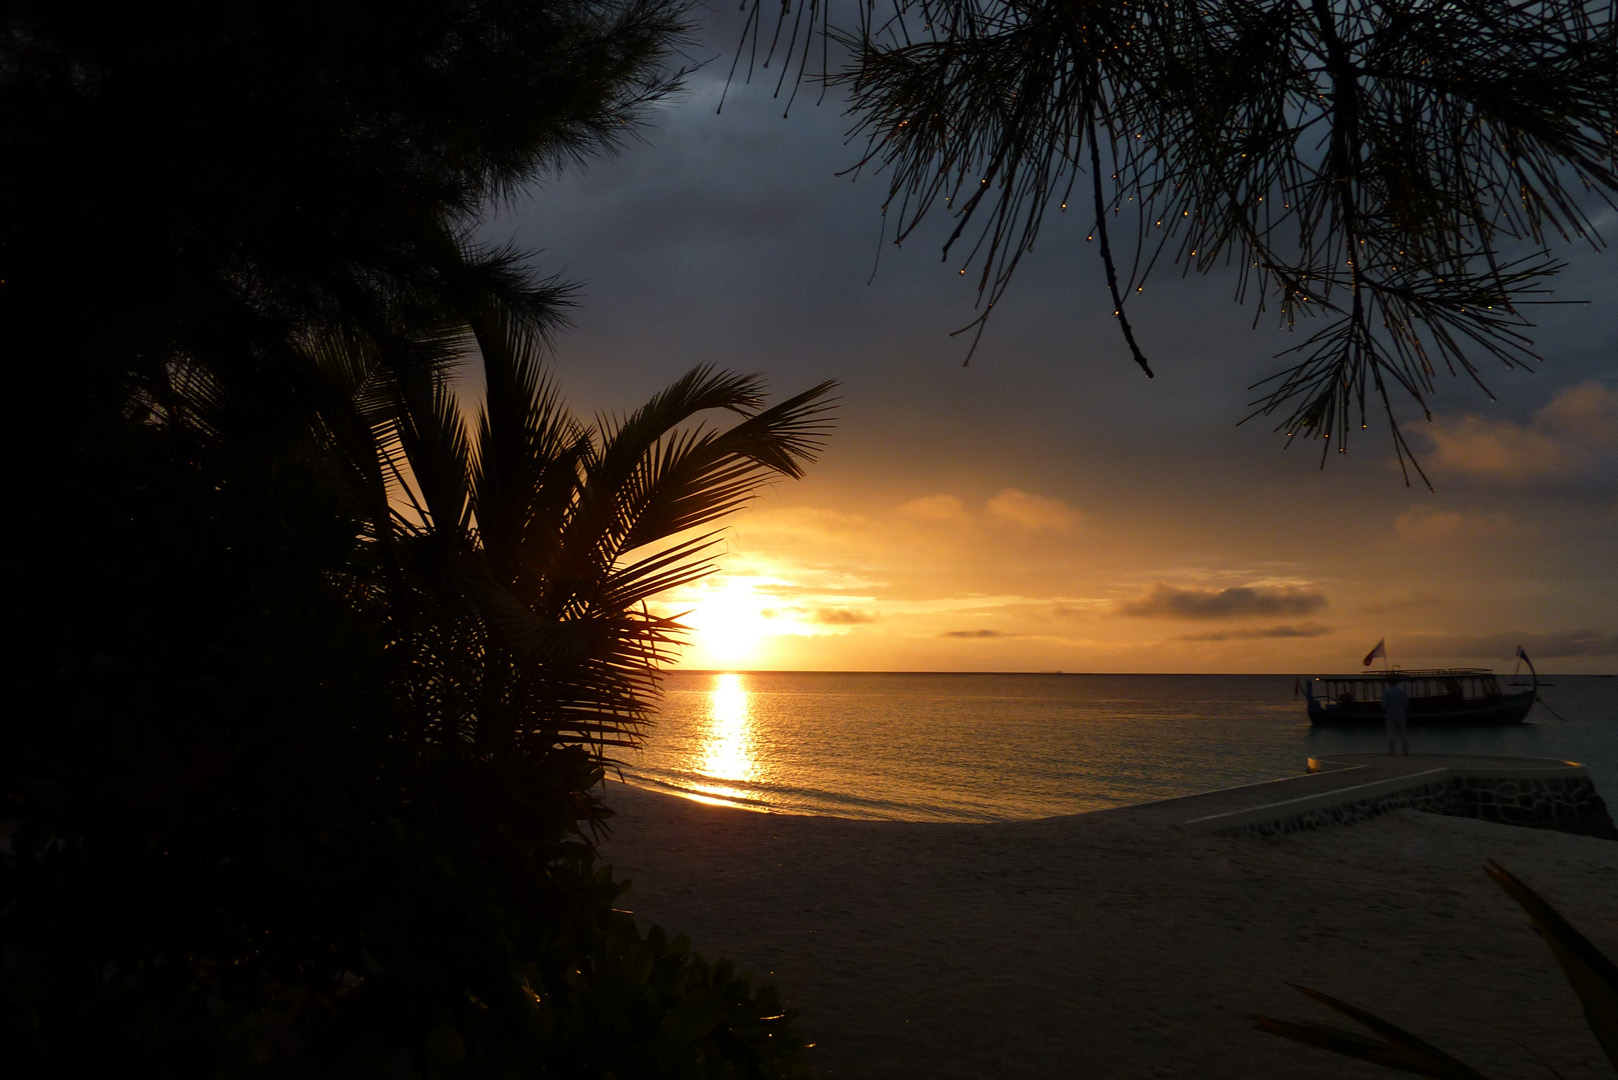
(729, 622)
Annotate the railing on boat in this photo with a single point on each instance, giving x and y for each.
(1430, 687)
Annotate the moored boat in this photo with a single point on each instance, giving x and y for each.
(1439, 697)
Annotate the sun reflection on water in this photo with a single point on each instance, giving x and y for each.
(727, 748)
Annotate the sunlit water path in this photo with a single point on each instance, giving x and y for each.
(958, 747)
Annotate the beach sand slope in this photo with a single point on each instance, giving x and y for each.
(1114, 944)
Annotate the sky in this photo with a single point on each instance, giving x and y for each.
(1047, 507)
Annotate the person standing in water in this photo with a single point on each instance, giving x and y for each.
(1395, 705)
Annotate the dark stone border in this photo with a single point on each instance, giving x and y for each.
(1569, 804)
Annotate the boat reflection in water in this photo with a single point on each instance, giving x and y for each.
(726, 750)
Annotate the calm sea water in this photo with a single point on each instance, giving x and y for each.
(963, 747)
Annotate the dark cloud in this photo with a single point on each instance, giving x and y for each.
(729, 239)
(1557, 645)
(1398, 605)
(1168, 601)
(1565, 643)
(840, 616)
(1308, 630)
(975, 634)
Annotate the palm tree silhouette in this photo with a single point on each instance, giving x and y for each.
(513, 556)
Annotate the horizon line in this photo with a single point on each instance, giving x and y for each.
(1049, 671)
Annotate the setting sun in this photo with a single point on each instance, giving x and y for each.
(729, 622)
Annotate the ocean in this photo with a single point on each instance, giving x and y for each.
(996, 747)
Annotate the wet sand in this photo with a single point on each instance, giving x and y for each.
(1114, 944)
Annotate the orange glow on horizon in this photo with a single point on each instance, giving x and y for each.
(1007, 578)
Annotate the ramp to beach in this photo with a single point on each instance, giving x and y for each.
(1343, 788)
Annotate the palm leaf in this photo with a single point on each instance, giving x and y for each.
(376, 405)
(1349, 1043)
(613, 487)
(1392, 1047)
(525, 457)
(680, 564)
(478, 284)
(1593, 976)
(525, 626)
(434, 442)
(696, 481)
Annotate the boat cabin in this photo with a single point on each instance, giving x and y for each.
(1433, 688)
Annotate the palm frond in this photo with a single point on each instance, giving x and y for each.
(376, 403)
(521, 623)
(527, 451)
(691, 482)
(432, 436)
(611, 489)
(477, 284)
(1593, 976)
(1389, 1045)
(633, 583)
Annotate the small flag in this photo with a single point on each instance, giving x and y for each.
(1523, 654)
(1380, 650)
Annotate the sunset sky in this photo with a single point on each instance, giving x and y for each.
(1048, 507)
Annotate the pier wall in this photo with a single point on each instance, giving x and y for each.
(1549, 795)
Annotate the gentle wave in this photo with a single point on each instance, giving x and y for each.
(789, 798)
(976, 747)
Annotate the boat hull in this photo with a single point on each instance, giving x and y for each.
(1508, 709)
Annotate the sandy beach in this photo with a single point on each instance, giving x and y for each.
(1114, 944)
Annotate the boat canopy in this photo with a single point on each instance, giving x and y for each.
(1435, 686)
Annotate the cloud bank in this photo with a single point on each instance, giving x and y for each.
(1165, 601)
(1565, 436)
(1555, 645)
(1425, 525)
(934, 508)
(1308, 630)
(1033, 512)
(829, 616)
(1010, 506)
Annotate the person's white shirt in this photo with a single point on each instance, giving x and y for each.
(1395, 704)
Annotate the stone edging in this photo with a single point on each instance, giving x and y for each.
(1558, 795)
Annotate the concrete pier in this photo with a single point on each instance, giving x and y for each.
(1344, 788)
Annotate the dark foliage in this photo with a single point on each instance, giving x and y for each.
(464, 933)
(1389, 174)
(243, 839)
(209, 174)
(247, 839)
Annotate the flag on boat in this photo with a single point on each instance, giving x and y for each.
(1523, 654)
(1380, 650)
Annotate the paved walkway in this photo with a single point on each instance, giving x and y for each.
(1344, 778)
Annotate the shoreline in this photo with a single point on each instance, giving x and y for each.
(1114, 944)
